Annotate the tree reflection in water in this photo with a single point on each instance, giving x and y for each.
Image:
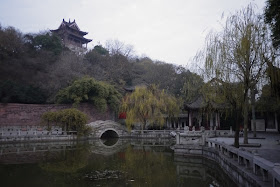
(68, 161)
(128, 165)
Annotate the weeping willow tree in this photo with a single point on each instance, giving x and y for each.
(237, 54)
(149, 106)
(69, 119)
(227, 95)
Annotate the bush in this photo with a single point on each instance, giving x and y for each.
(87, 89)
(69, 119)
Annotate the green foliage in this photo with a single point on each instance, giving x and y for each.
(272, 17)
(148, 105)
(12, 92)
(47, 41)
(152, 166)
(69, 161)
(101, 50)
(268, 102)
(96, 57)
(273, 73)
(70, 119)
(191, 85)
(87, 89)
(224, 93)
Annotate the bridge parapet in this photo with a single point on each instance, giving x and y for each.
(100, 127)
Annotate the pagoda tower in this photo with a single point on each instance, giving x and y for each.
(72, 37)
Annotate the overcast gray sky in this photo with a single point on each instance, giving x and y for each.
(167, 30)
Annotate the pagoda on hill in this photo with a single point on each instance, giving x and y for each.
(72, 37)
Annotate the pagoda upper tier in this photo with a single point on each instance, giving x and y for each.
(71, 35)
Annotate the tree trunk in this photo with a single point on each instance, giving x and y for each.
(253, 111)
(245, 108)
(237, 128)
(143, 126)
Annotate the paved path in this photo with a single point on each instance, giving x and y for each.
(269, 150)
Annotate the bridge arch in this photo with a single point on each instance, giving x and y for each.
(109, 133)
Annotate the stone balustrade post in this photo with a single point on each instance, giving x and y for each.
(178, 138)
(264, 174)
(186, 129)
(247, 164)
(240, 160)
(203, 139)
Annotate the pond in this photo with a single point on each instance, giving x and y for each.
(112, 162)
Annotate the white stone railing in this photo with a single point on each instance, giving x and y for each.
(250, 161)
(18, 131)
(194, 137)
(152, 133)
(37, 138)
(34, 133)
(180, 134)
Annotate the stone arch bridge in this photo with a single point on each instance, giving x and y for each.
(108, 129)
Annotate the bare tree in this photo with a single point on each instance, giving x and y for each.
(61, 74)
(117, 47)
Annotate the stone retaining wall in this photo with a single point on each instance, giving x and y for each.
(245, 169)
(260, 170)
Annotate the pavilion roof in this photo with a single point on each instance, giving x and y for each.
(201, 103)
(71, 28)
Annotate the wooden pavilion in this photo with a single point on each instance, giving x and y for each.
(204, 113)
(71, 36)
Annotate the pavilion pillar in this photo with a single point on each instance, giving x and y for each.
(211, 120)
(276, 121)
(200, 120)
(168, 123)
(217, 119)
(190, 119)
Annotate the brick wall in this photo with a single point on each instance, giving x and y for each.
(12, 114)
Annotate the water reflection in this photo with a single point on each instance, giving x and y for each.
(200, 172)
(66, 161)
(97, 163)
(110, 141)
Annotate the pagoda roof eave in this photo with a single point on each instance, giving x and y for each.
(82, 33)
(200, 103)
(55, 30)
(85, 40)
